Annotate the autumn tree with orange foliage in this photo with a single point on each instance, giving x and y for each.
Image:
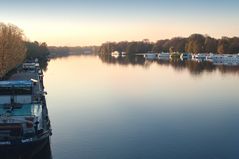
(12, 47)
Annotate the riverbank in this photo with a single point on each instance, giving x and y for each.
(9, 74)
(10, 67)
(43, 65)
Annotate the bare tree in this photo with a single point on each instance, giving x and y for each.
(12, 47)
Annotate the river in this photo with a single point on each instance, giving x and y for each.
(103, 108)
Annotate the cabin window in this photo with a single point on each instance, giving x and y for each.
(15, 91)
(5, 91)
(23, 91)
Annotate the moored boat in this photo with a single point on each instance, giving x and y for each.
(123, 54)
(185, 56)
(115, 54)
(164, 56)
(209, 57)
(199, 57)
(174, 55)
(226, 59)
(23, 111)
(150, 56)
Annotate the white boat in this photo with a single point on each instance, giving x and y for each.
(233, 57)
(226, 59)
(226, 63)
(185, 56)
(199, 57)
(115, 54)
(123, 54)
(209, 57)
(164, 56)
(150, 56)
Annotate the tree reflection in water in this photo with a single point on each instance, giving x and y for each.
(194, 67)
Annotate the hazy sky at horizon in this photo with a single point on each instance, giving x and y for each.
(78, 22)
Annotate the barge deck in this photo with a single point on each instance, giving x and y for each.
(23, 111)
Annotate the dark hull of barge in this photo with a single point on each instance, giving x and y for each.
(39, 149)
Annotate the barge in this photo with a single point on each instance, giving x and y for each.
(24, 116)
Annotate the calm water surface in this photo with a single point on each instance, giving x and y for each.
(102, 110)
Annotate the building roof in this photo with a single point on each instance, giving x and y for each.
(16, 84)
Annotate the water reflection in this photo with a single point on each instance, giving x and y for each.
(194, 67)
(40, 150)
(135, 108)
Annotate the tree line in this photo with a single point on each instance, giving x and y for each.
(14, 48)
(37, 50)
(196, 43)
(65, 51)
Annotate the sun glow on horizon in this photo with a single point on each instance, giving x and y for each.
(93, 33)
(63, 24)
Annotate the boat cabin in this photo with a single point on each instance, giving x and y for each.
(150, 56)
(19, 92)
(30, 66)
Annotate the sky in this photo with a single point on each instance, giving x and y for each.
(92, 22)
